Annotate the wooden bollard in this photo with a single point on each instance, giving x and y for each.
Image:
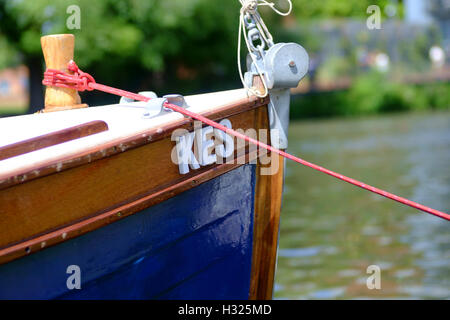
(58, 51)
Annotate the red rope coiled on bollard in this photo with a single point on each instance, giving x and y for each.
(79, 80)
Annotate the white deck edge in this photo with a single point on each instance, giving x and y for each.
(123, 122)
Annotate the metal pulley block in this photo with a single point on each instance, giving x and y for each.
(285, 64)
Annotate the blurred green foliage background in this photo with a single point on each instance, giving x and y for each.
(189, 46)
(362, 99)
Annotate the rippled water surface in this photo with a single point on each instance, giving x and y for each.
(332, 231)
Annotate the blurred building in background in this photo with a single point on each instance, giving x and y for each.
(14, 90)
(416, 12)
(430, 12)
(415, 48)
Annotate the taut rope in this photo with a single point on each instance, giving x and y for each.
(82, 81)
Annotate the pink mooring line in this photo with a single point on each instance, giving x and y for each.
(82, 81)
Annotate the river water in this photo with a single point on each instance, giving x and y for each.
(332, 231)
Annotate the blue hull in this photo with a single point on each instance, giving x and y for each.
(197, 245)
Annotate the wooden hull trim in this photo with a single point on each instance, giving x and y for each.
(268, 199)
(48, 166)
(51, 139)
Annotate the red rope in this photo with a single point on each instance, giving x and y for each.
(82, 81)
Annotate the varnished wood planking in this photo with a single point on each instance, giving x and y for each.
(88, 196)
(268, 198)
(53, 138)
